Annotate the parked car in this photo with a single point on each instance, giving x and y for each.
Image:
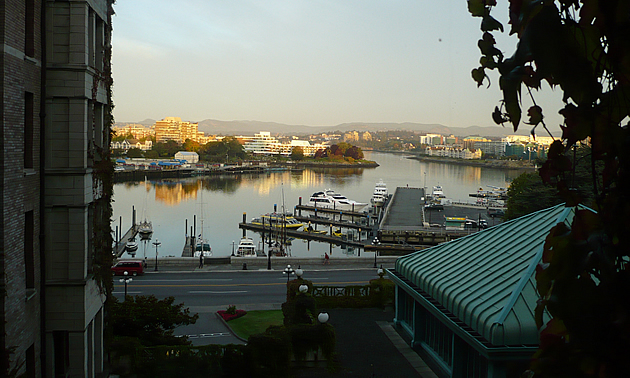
(133, 268)
(495, 213)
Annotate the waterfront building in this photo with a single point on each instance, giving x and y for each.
(126, 144)
(525, 139)
(431, 139)
(188, 156)
(173, 128)
(54, 111)
(263, 143)
(453, 152)
(493, 147)
(468, 305)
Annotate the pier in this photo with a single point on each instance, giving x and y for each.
(405, 224)
(301, 234)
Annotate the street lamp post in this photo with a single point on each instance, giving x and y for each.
(288, 271)
(232, 248)
(156, 243)
(377, 243)
(126, 280)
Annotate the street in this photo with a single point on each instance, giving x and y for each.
(207, 292)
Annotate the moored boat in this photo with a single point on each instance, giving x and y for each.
(328, 199)
(145, 229)
(438, 192)
(380, 194)
(131, 246)
(278, 220)
(246, 248)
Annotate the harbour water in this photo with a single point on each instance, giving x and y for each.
(220, 201)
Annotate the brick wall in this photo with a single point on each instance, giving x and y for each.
(20, 187)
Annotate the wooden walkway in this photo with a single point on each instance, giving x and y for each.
(304, 235)
(341, 213)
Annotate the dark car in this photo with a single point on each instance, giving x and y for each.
(133, 268)
(495, 213)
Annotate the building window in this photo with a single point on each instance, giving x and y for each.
(29, 253)
(29, 113)
(61, 345)
(439, 338)
(29, 28)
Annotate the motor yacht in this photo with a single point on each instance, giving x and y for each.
(246, 248)
(380, 194)
(328, 199)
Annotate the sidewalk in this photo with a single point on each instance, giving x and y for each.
(369, 346)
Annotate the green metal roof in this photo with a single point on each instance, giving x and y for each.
(487, 279)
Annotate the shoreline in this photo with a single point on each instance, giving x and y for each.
(325, 164)
(493, 163)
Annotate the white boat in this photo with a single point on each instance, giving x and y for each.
(328, 199)
(438, 192)
(343, 203)
(246, 248)
(131, 246)
(145, 229)
(380, 194)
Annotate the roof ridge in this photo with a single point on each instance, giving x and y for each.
(530, 269)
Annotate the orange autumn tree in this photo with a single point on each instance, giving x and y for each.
(583, 49)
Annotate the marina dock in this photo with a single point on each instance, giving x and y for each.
(407, 222)
(302, 234)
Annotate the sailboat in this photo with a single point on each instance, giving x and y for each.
(145, 228)
(202, 245)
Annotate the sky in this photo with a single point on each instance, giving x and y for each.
(306, 62)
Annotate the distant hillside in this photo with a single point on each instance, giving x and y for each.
(217, 127)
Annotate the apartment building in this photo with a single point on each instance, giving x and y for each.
(54, 108)
(173, 128)
(263, 143)
(453, 152)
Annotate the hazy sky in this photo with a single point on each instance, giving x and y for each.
(315, 62)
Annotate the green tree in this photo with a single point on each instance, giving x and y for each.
(120, 138)
(166, 149)
(151, 154)
(583, 48)
(297, 153)
(148, 319)
(527, 193)
(191, 145)
(134, 152)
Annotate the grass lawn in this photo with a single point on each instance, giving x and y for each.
(255, 322)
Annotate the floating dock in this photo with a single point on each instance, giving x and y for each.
(406, 223)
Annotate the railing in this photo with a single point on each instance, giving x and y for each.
(341, 291)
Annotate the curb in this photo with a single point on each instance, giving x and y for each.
(229, 328)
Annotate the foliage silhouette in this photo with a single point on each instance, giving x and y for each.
(583, 48)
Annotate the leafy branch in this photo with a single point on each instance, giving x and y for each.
(581, 47)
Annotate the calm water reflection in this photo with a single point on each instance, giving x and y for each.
(221, 200)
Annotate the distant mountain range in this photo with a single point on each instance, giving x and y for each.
(213, 126)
